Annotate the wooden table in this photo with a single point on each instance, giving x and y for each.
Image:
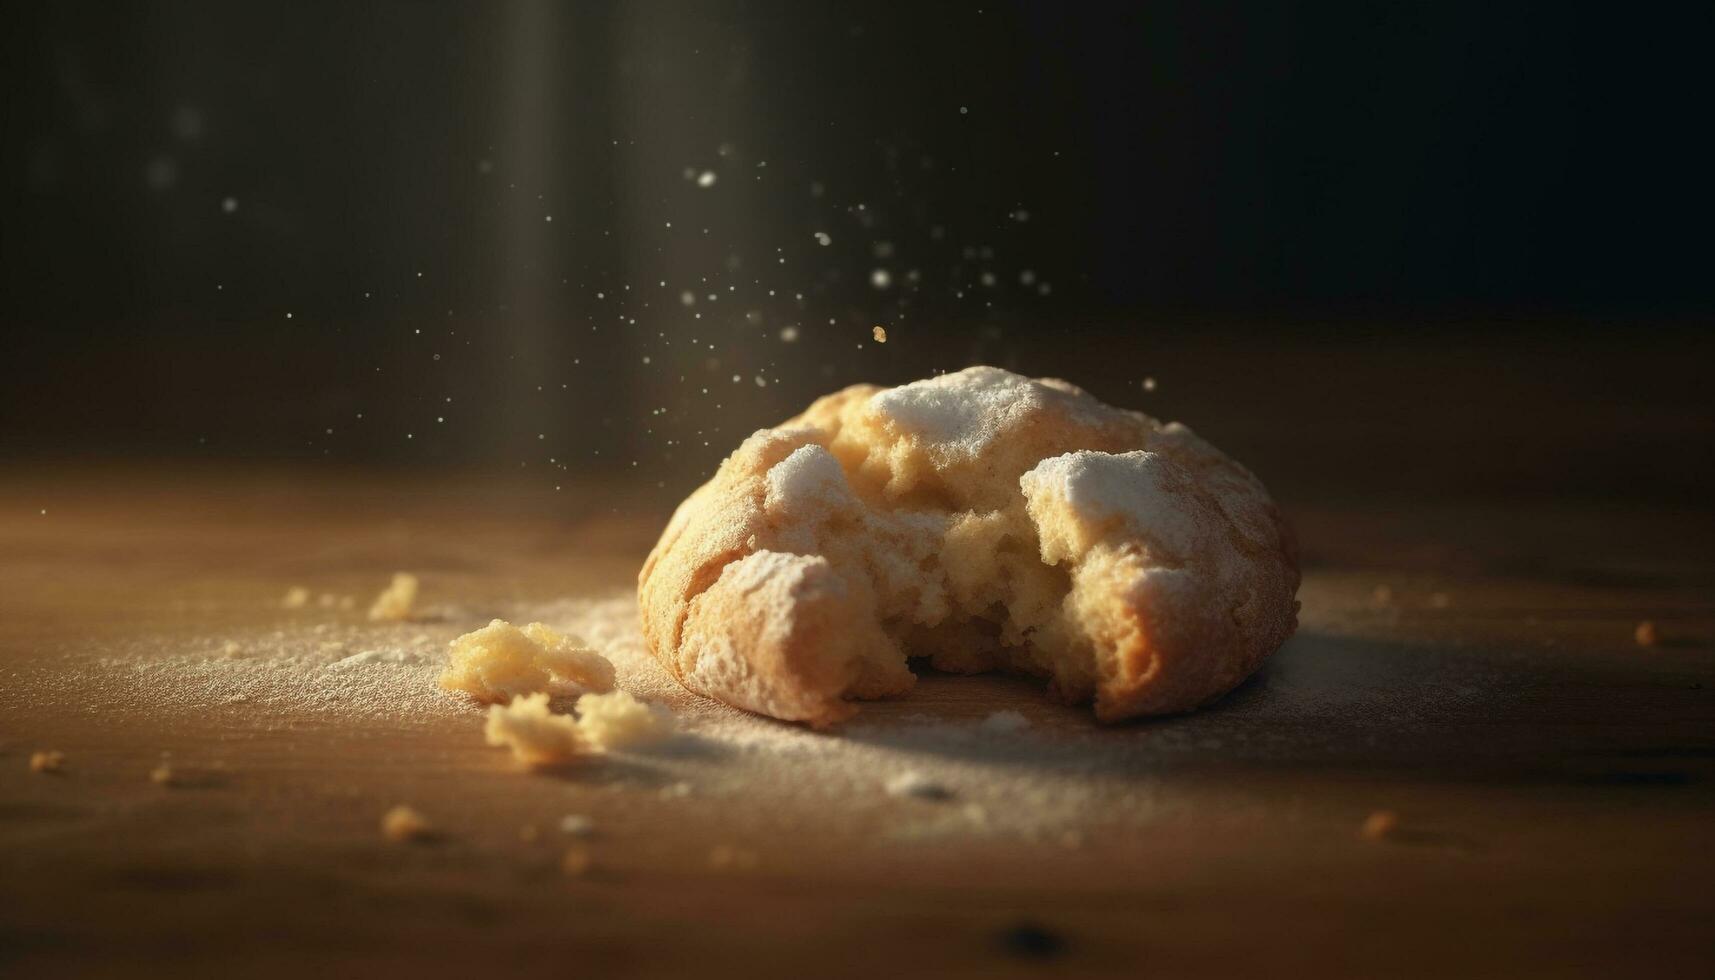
(1470, 667)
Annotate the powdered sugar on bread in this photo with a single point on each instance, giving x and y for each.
(982, 520)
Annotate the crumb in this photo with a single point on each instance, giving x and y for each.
(1382, 595)
(1440, 600)
(297, 597)
(576, 861)
(1379, 825)
(880, 334)
(394, 603)
(536, 736)
(1646, 634)
(1004, 722)
(405, 824)
(47, 761)
(917, 785)
(576, 825)
(620, 721)
(501, 661)
(724, 857)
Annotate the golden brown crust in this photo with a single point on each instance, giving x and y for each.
(982, 519)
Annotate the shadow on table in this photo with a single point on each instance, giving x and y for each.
(1378, 710)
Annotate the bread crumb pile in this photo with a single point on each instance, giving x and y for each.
(499, 662)
(604, 723)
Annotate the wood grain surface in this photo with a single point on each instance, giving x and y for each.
(1469, 666)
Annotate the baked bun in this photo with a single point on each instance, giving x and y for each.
(985, 521)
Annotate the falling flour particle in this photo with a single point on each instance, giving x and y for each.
(576, 825)
(394, 603)
(297, 597)
(880, 334)
(917, 785)
(881, 279)
(823, 239)
(788, 334)
(1148, 384)
(47, 761)
(403, 824)
(706, 179)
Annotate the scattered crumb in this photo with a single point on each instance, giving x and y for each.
(393, 605)
(725, 857)
(1646, 634)
(47, 761)
(1003, 722)
(880, 334)
(576, 861)
(620, 721)
(501, 661)
(1440, 600)
(1382, 595)
(915, 784)
(536, 736)
(1379, 825)
(297, 597)
(576, 825)
(405, 824)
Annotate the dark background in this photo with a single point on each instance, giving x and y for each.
(1455, 246)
